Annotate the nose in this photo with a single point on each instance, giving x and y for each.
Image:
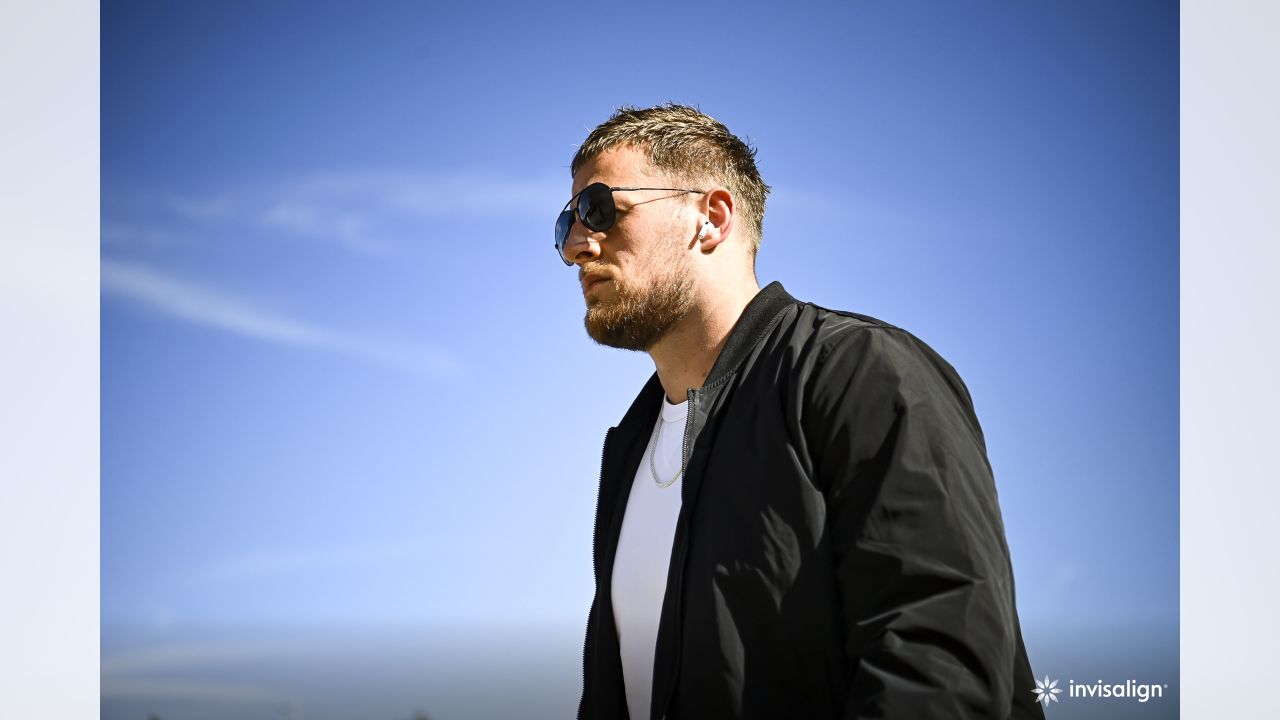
(582, 245)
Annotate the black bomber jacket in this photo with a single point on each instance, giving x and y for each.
(839, 551)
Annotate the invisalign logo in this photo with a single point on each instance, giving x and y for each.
(1128, 689)
(1047, 690)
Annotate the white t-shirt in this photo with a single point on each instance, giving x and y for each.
(644, 556)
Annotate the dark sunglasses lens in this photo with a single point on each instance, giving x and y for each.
(595, 207)
(563, 223)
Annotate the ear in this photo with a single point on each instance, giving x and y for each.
(720, 211)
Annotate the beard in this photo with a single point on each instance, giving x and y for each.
(635, 320)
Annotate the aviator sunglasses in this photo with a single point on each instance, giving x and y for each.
(595, 210)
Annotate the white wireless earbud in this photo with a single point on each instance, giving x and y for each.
(706, 226)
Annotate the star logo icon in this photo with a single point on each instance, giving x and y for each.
(1046, 691)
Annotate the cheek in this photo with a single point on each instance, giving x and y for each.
(643, 261)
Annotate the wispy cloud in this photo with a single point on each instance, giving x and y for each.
(826, 205)
(135, 235)
(124, 673)
(353, 230)
(459, 194)
(210, 308)
(193, 655)
(359, 209)
(368, 212)
(274, 562)
(187, 690)
(202, 208)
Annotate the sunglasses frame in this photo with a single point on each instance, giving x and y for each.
(576, 212)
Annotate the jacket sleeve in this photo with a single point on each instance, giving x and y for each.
(922, 567)
(584, 710)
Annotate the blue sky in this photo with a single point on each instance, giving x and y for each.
(345, 385)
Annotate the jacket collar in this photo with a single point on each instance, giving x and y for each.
(756, 320)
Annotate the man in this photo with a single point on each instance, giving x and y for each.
(796, 516)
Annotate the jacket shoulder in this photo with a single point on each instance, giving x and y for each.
(858, 356)
(843, 318)
(830, 329)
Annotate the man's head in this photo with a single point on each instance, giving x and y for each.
(687, 145)
(696, 221)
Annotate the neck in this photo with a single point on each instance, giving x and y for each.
(685, 355)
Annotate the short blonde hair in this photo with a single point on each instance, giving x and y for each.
(691, 145)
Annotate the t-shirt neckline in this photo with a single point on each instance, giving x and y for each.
(672, 413)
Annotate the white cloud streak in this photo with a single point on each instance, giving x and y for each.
(368, 212)
(359, 209)
(462, 194)
(208, 308)
(351, 229)
(268, 563)
(202, 208)
(187, 690)
(193, 655)
(117, 234)
(124, 673)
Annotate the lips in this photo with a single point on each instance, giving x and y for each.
(592, 279)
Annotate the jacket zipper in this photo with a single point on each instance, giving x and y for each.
(595, 570)
(684, 550)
